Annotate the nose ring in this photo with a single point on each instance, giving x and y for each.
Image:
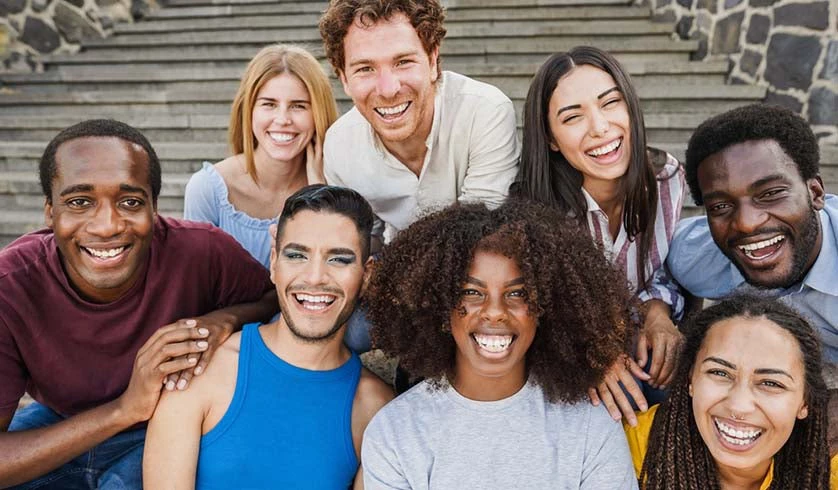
(735, 416)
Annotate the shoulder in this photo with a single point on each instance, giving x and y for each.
(28, 251)
(348, 126)
(463, 89)
(371, 394)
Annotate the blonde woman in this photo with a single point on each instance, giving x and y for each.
(279, 117)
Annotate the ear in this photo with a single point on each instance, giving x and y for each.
(48, 213)
(343, 81)
(369, 265)
(433, 58)
(553, 145)
(803, 412)
(690, 389)
(816, 192)
(273, 263)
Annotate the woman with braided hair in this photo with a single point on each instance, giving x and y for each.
(747, 408)
(509, 315)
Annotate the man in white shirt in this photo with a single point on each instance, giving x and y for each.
(418, 138)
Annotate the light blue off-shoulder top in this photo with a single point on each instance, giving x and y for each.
(206, 200)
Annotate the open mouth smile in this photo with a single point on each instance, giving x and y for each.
(312, 302)
(105, 254)
(738, 438)
(763, 249)
(606, 150)
(494, 345)
(281, 137)
(392, 112)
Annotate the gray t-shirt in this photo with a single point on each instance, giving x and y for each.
(428, 439)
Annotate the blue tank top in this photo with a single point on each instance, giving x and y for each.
(286, 427)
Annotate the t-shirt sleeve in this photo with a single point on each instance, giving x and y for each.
(12, 372)
(379, 460)
(493, 155)
(239, 277)
(199, 199)
(608, 463)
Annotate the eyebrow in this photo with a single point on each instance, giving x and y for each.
(295, 101)
(77, 188)
(133, 188)
(482, 284)
(767, 180)
(332, 251)
(577, 106)
(366, 61)
(756, 371)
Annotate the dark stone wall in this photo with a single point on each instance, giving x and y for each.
(48, 27)
(788, 46)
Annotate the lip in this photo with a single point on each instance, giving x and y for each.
(393, 118)
(282, 143)
(491, 355)
(767, 260)
(616, 156)
(727, 444)
(308, 311)
(105, 262)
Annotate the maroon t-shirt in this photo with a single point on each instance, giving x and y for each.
(73, 355)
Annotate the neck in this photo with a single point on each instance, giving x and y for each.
(606, 193)
(411, 151)
(280, 175)
(743, 478)
(315, 356)
(485, 389)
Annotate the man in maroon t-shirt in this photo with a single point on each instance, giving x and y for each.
(105, 308)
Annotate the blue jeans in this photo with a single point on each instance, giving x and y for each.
(116, 463)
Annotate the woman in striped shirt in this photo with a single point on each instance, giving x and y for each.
(584, 151)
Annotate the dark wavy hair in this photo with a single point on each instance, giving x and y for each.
(332, 199)
(581, 303)
(98, 128)
(678, 458)
(750, 123)
(546, 175)
(426, 16)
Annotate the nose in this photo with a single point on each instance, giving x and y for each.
(494, 310)
(388, 84)
(106, 221)
(283, 116)
(598, 124)
(749, 218)
(315, 273)
(740, 400)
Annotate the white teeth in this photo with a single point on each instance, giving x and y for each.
(105, 254)
(281, 137)
(314, 299)
(736, 436)
(751, 247)
(493, 343)
(390, 111)
(602, 150)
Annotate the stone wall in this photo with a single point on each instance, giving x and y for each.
(789, 46)
(39, 27)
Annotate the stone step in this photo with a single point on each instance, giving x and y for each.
(269, 16)
(448, 4)
(265, 31)
(631, 49)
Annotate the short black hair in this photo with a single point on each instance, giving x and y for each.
(749, 123)
(332, 199)
(96, 128)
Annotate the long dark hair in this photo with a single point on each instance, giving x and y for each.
(546, 176)
(678, 458)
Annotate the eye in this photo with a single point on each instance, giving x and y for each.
(770, 383)
(403, 62)
(77, 202)
(342, 260)
(718, 209)
(611, 102)
(518, 293)
(572, 118)
(720, 373)
(294, 256)
(364, 69)
(132, 203)
(469, 294)
(772, 193)
(299, 106)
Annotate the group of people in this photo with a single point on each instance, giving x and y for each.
(534, 297)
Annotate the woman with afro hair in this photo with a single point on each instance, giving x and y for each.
(509, 315)
(748, 407)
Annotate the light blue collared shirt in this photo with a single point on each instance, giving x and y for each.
(701, 268)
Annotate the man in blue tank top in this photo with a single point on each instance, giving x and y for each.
(285, 404)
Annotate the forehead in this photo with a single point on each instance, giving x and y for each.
(743, 164)
(488, 265)
(284, 86)
(581, 83)
(101, 160)
(321, 230)
(752, 342)
(384, 39)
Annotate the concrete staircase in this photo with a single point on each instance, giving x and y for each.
(173, 76)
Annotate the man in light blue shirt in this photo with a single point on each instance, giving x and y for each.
(770, 228)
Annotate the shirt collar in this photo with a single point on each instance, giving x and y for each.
(592, 204)
(821, 276)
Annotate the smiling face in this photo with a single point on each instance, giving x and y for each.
(747, 389)
(282, 119)
(492, 327)
(318, 273)
(761, 213)
(102, 215)
(390, 78)
(589, 122)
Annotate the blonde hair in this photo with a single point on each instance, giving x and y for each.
(268, 63)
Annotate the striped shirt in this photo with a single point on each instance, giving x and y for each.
(623, 252)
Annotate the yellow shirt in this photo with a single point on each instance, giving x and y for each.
(638, 441)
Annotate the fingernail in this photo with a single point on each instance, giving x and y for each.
(191, 322)
(644, 407)
(181, 384)
(192, 360)
(202, 344)
(203, 331)
(170, 386)
(199, 370)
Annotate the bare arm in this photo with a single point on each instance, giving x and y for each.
(170, 457)
(370, 396)
(28, 454)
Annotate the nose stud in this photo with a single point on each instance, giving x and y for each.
(736, 416)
